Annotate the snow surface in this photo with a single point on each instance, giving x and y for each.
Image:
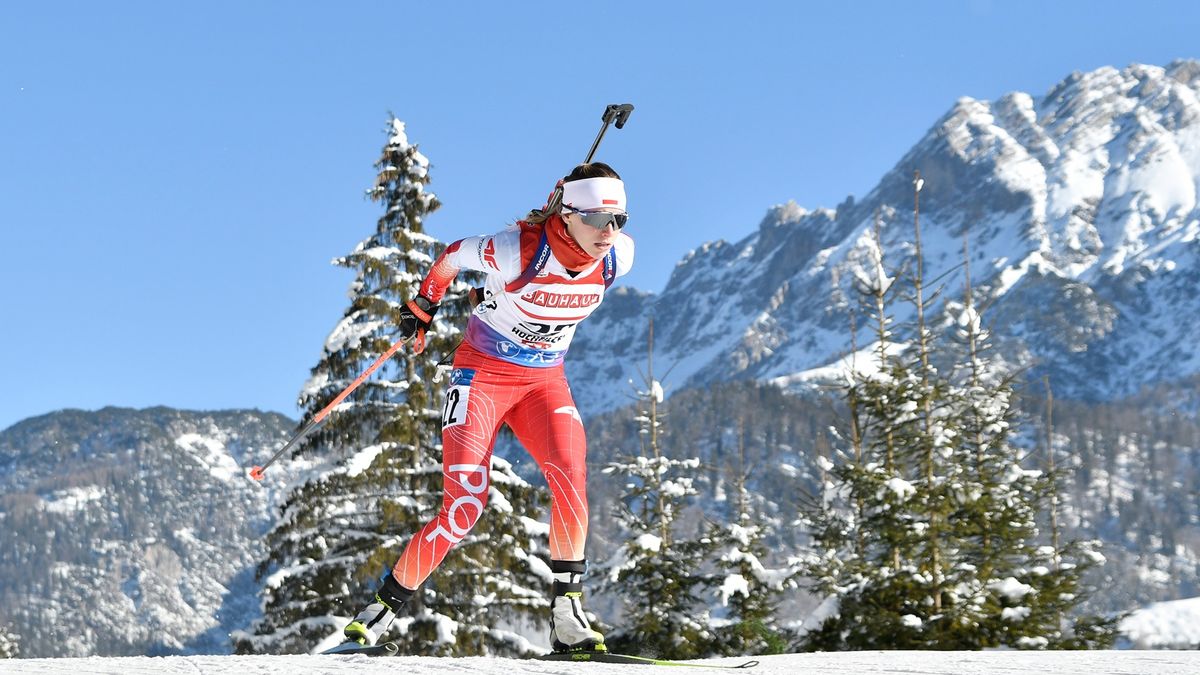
(72, 499)
(212, 453)
(851, 663)
(1174, 625)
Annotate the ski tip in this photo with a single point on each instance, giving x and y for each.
(355, 649)
(256, 473)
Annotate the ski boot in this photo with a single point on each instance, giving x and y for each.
(569, 627)
(371, 623)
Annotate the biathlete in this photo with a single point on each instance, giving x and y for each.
(544, 276)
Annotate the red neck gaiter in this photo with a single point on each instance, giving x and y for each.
(565, 248)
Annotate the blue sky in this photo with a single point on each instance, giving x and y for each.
(176, 176)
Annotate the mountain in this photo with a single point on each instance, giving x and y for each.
(1079, 209)
(131, 532)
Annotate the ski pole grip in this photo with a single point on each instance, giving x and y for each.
(614, 112)
(621, 113)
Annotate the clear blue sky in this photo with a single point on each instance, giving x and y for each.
(176, 176)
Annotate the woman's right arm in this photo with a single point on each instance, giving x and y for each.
(491, 254)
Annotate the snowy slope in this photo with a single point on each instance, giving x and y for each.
(1165, 625)
(857, 663)
(1080, 210)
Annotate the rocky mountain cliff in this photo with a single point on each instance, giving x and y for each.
(128, 532)
(1079, 210)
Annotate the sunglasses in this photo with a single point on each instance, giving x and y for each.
(601, 219)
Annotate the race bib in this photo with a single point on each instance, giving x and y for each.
(458, 395)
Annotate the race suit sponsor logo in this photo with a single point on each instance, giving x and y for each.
(561, 300)
(540, 335)
(466, 508)
(543, 255)
(487, 253)
(570, 410)
(487, 340)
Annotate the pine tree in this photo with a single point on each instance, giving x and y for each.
(658, 573)
(374, 469)
(866, 531)
(928, 536)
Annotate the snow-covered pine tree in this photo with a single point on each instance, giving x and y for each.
(927, 538)
(868, 557)
(750, 592)
(1021, 584)
(374, 470)
(657, 573)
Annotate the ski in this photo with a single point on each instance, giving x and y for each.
(609, 657)
(355, 649)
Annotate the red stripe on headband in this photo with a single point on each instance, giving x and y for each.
(610, 201)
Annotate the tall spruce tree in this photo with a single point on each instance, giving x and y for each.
(374, 469)
(869, 529)
(659, 572)
(927, 537)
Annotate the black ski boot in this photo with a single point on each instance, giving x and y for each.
(371, 623)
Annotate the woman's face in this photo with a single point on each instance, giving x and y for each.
(595, 242)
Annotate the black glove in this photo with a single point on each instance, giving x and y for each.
(415, 318)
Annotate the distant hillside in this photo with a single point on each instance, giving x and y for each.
(129, 532)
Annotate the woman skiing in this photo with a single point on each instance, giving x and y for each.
(544, 276)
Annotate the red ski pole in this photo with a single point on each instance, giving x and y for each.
(257, 472)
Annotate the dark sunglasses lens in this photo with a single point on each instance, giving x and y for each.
(602, 220)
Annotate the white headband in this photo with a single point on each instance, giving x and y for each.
(594, 193)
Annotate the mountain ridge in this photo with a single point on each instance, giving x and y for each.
(1079, 208)
(143, 517)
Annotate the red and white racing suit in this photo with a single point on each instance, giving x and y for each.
(509, 370)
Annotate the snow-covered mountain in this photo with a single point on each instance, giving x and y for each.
(130, 532)
(1079, 208)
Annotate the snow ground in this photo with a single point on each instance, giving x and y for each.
(849, 663)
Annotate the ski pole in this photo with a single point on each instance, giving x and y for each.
(257, 472)
(616, 114)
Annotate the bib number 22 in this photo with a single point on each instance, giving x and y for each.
(458, 395)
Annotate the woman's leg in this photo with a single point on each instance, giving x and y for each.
(476, 401)
(548, 425)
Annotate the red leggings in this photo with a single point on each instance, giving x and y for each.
(536, 403)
